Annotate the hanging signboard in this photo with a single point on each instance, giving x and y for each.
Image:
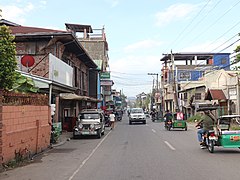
(105, 75)
(106, 83)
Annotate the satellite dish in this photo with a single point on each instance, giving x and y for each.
(27, 61)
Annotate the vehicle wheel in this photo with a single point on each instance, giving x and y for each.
(211, 146)
(99, 134)
(144, 122)
(74, 136)
(185, 128)
(169, 128)
(130, 122)
(103, 131)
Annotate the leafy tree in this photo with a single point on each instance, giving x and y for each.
(25, 85)
(237, 60)
(8, 63)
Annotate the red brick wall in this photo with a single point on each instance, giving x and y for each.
(23, 128)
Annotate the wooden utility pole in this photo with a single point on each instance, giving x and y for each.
(176, 108)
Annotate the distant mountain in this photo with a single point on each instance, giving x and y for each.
(131, 98)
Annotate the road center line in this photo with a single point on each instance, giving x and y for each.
(169, 145)
(90, 155)
(153, 131)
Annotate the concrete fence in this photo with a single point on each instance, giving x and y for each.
(25, 125)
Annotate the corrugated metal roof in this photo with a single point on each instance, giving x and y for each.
(215, 94)
(79, 27)
(27, 30)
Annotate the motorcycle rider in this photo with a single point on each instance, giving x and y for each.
(206, 123)
(168, 117)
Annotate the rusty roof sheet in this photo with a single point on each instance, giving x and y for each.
(31, 30)
(215, 94)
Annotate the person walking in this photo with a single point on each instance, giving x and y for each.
(112, 119)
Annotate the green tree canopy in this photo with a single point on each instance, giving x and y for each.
(237, 59)
(8, 63)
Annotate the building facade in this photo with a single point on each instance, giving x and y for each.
(60, 66)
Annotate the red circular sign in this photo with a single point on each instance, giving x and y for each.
(27, 61)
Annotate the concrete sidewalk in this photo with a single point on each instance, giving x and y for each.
(63, 138)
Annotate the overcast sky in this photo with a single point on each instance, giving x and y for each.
(139, 31)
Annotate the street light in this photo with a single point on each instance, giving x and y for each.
(157, 78)
(155, 74)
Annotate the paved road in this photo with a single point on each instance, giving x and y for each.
(133, 152)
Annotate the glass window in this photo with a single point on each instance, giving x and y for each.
(198, 96)
(90, 116)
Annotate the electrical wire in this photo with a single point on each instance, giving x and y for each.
(198, 65)
(212, 24)
(181, 33)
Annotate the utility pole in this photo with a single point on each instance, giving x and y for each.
(174, 84)
(157, 79)
(156, 74)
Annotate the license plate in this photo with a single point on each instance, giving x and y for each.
(85, 132)
(77, 133)
(212, 138)
(89, 132)
(234, 138)
(179, 124)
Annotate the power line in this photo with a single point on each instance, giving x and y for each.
(203, 32)
(128, 73)
(180, 34)
(205, 16)
(217, 53)
(223, 35)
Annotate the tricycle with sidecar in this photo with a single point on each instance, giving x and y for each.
(176, 123)
(223, 134)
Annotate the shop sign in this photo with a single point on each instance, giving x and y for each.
(105, 75)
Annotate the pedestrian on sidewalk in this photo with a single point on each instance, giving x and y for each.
(112, 119)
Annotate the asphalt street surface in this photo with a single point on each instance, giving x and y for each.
(132, 152)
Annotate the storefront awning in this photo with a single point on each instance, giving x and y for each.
(71, 96)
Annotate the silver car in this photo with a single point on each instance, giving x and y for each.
(137, 115)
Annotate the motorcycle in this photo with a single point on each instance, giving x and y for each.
(209, 139)
(107, 120)
(168, 125)
(118, 117)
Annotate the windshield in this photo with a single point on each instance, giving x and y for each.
(89, 116)
(137, 111)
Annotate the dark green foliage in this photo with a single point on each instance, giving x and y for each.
(25, 85)
(8, 63)
(194, 118)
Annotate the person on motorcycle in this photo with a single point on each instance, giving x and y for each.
(206, 123)
(153, 114)
(168, 117)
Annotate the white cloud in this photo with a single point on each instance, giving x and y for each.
(209, 46)
(142, 45)
(113, 3)
(13, 13)
(136, 64)
(29, 7)
(43, 2)
(130, 73)
(17, 13)
(174, 12)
